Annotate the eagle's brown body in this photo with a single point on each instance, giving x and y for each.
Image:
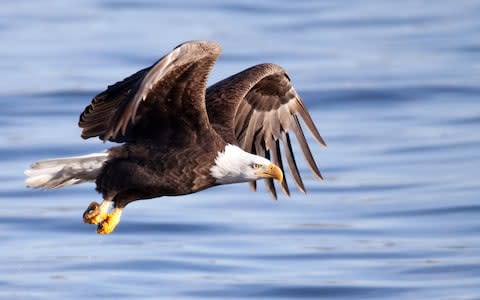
(143, 171)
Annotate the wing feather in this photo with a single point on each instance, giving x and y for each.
(292, 164)
(277, 159)
(297, 129)
(173, 88)
(253, 185)
(253, 126)
(269, 182)
(309, 122)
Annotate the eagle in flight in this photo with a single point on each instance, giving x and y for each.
(178, 137)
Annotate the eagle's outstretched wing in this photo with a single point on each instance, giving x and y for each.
(154, 102)
(257, 109)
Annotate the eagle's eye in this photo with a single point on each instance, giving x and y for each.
(256, 166)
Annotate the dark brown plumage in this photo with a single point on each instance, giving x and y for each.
(175, 133)
(163, 114)
(160, 113)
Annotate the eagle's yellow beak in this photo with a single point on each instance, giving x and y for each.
(270, 171)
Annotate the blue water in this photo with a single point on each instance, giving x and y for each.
(393, 86)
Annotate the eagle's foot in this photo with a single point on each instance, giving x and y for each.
(110, 222)
(90, 216)
(96, 213)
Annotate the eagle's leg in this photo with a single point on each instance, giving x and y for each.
(96, 213)
(120, 200)
(110, 222)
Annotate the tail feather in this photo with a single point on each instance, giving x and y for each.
(61, 172)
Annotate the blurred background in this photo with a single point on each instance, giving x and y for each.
(393, 87)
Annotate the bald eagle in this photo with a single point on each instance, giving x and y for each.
(178, 137)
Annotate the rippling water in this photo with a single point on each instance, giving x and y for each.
(393, 87)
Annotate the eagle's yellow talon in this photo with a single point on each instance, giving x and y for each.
(96, 213)
(110, 222)
(91, 213)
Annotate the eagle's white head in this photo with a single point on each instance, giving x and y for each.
(235, 165)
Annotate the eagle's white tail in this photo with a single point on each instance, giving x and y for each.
(60, 172)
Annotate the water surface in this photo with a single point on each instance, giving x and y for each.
(393, 88)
